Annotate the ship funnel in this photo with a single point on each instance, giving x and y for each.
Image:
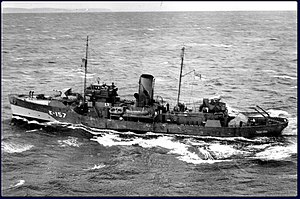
(146, 89)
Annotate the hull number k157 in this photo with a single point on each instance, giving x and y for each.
(57, 114)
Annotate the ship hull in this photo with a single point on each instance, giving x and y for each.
(31, 114)
(194, 130)
(42, 112)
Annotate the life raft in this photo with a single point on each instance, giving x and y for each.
(116, 110)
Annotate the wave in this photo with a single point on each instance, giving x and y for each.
(285, 77)
(175, 147)
(96, 167)
(9, 147)
(190, 149)
(71, 141)
(221, 45)
(277, 152)
(33, 130)
(292, 128)
(21, 182)
(277, 113)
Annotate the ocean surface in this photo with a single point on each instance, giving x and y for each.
(246, 58)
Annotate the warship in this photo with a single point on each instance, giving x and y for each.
(101, 107)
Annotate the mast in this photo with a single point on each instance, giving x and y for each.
(182, 56)
(85, 67)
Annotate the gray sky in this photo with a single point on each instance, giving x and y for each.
(157, 5)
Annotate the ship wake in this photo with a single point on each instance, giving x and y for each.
(190, 149)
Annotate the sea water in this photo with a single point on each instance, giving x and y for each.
(246, 58)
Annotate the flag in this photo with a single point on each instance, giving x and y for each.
(83, 64)
(197, 76)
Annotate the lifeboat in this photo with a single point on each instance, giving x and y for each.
(142, 112)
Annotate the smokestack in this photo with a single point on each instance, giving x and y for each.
(146, 89)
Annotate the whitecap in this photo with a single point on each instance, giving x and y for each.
(259, 147)
(174, 146)
(221, 151)
(277, 113)
(34, 130)
(292, 128)
(110, 139)
(21, 182)
(285, 77)
(71, 141)
(277, 152)
(100, 166)
(15, 148)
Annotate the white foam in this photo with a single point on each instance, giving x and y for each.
(91, 130)
(175, 147)
(34, 130)
(56, 123)
(225, 151)
(29, 121)
(292, 128)
(285, 77)
(19, 118)
(277, 113)
(21, 182)
(257, 147)
(100, 166)
(71, 141)
(277, 152)
(15, 148)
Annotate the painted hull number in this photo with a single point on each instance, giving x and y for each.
(57, 114)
